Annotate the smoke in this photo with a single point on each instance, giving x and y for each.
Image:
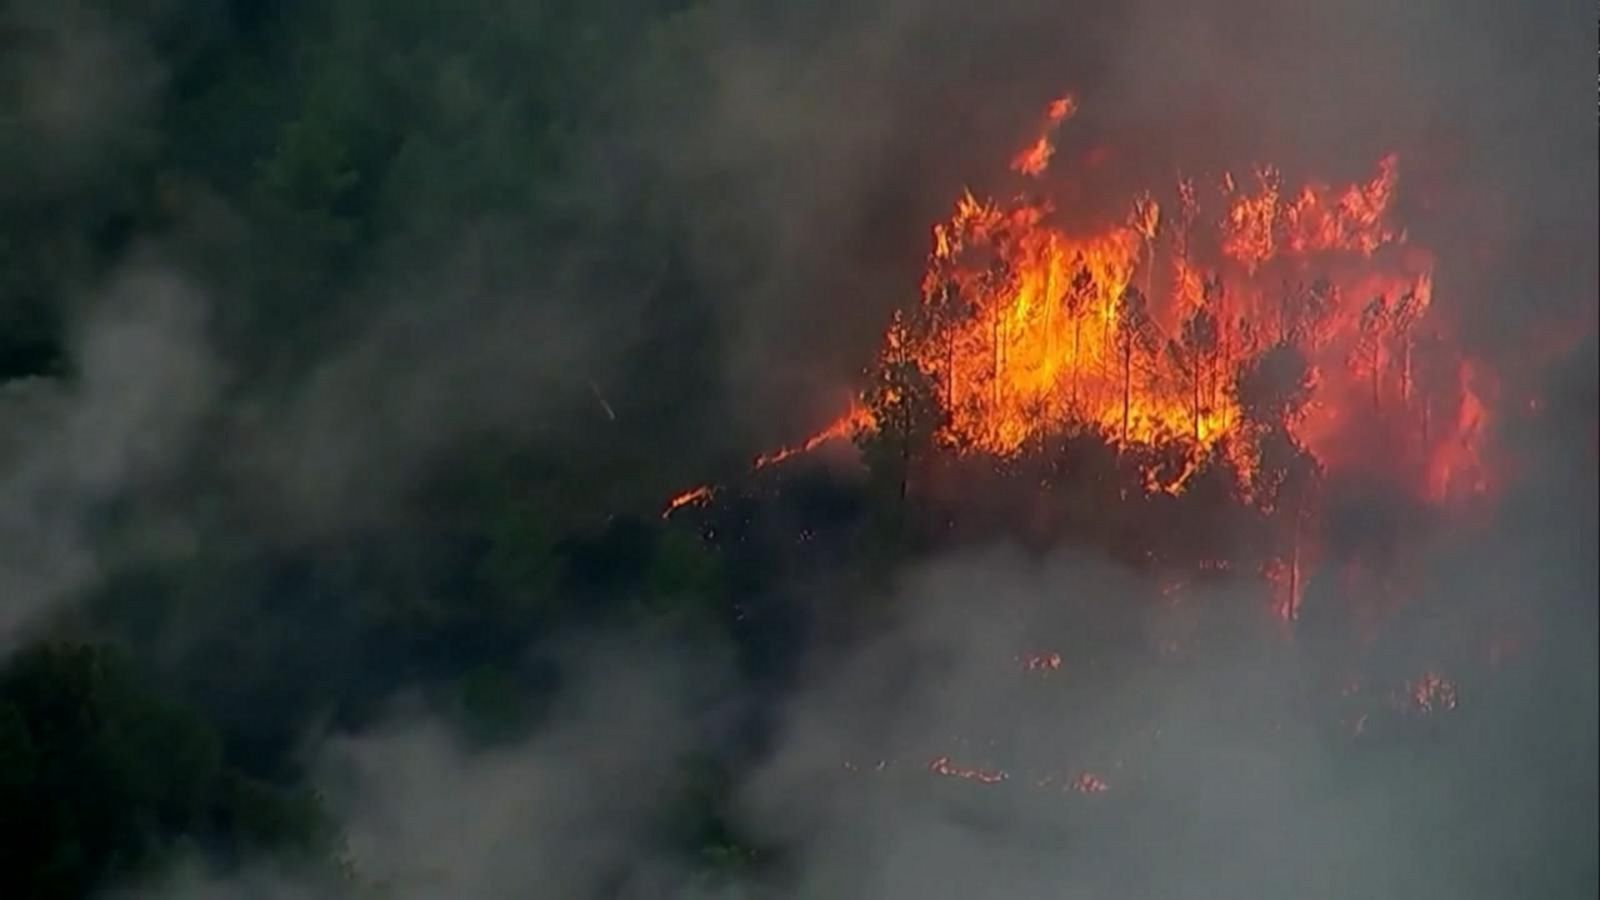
(1230, 767)
(1233, 759)
(475, 342)
(580, 807)
(79, 93)
(119, 425)
(815, 145)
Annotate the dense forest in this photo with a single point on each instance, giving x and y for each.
(350, 352)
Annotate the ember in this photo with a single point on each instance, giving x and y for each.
(1089, 783)
(1431, 693)
(943, 766)
(694, 496)
(1036, 662)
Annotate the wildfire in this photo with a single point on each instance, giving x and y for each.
(1307, 311)
(1286, 332)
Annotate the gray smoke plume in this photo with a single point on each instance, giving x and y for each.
(124, 419)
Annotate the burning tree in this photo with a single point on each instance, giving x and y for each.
(1246, 358)
(1136, 336)
(1273, 394)
(902, 401)
(1194, 353)
(1078, 302)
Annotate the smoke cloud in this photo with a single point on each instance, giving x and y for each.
(119, 427)
(1233, 760)
(818, 144)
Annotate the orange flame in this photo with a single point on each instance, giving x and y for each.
(697, 495)
(856, 420)
(1035, 158)
(1031, 327)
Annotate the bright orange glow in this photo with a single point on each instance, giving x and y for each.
(1035, 323)
(1035, 159)
(853, 422)
(1227, 320)
(696, 495)
(847, 425)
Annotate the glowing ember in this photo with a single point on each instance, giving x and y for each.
(1035, 158)
(943, 766)
(1432, 693)
(1089, 783)
(1062, 108)
(701, 494)
(1041, 662)
(857, 419)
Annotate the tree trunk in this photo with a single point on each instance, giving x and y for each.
(1196, 363)
(905, 446)
(998, 359)
(1377, 375)
(1105, 361)
(950, 368)
(1405, 369)
(1077, 360)
(1127, 386)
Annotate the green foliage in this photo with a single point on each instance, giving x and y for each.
(697, 821)
(288, 155)
(491, 705)
(684, 578)
(100, 778)
(521, 564)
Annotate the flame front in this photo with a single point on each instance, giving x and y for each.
(1210, 318)
(1149, 329)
